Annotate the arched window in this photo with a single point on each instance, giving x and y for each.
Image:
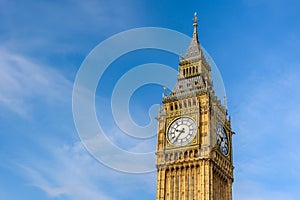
(194, 102)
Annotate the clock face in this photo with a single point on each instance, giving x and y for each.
(182, 131)
(222, 139)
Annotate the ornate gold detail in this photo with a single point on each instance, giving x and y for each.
(198, 170)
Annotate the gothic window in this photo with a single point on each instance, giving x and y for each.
(196, 153)
(166, 157)
(185, 154)
(191, 154)
(184, 173)
(176, 156)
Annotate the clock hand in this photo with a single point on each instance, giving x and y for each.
(177, 131)
(180, 132)
(222, 137)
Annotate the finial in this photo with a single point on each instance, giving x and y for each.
(195, 19)
(195, 24)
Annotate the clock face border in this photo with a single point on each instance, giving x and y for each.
(177, 127)
(222, 139)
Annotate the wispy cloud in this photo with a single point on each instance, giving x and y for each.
(72, 172)
(255, 191)
(46, 33)
(267, 126)
(22, 81)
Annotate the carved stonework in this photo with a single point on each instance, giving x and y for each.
(196, 169)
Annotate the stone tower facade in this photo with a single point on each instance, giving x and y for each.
(194, 144)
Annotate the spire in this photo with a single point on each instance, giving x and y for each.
(194, 49)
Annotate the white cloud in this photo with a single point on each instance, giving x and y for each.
(83, 23)
(70, 171)
(22, 81)
(255, 191)
(267, 126)
(144, 146)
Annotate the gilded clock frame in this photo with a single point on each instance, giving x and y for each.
(171, 119)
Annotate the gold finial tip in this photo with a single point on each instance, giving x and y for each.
(195, 17)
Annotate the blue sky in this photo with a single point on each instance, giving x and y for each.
(255, 44)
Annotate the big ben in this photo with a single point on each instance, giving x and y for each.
(194, 142)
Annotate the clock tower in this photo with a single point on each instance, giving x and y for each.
(194, 142)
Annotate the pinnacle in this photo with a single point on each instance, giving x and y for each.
(194, 49)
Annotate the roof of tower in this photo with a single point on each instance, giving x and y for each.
(187, 88)
(194, 49)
